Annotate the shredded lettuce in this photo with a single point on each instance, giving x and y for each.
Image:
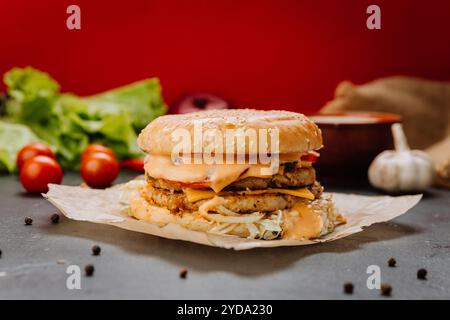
(68, 122)
(259, 226)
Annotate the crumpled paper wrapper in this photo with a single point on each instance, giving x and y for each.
(108, 207)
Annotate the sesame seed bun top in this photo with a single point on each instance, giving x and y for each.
(297, 134)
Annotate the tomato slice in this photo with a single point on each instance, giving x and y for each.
(133, 164)
(311, 157)
(193, 185)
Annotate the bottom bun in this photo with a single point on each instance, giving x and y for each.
(306, 220)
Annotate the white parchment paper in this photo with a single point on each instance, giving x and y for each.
(106, 207)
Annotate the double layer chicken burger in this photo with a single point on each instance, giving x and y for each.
(246, 173)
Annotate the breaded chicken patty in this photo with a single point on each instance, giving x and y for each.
(177, 201)
(292, 177)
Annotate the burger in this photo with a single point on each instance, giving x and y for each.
(242, 172)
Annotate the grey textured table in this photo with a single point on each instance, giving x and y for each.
(134, 265)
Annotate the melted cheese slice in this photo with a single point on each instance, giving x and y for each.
(217, 176)
(305, 164)
(194, 195)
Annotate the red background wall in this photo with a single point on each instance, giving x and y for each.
(257, 53)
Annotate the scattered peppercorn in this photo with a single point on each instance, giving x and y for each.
(392, 263)
(54, 218)
(348, 288)
(96, 250)
(183, 273)
(422, 274)
(386, 289)
(89, 269)
(28, 221)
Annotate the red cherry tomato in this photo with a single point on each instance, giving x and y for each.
(31, 150)
(99, 170)
(310, 157)
(38, 172)
(133, 164)
(97, 148)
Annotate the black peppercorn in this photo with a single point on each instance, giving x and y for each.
(0, 253)
(54, 218)
(28, 221)
(386, 289)
(96, 250)
(348, 288)
(392, 262)
(89, 270)
(183, 273)
(422, 274)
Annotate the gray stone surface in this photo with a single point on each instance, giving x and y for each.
(134, 265)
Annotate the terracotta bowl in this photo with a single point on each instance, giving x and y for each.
(352, 140)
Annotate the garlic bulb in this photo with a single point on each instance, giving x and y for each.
(401, 169)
